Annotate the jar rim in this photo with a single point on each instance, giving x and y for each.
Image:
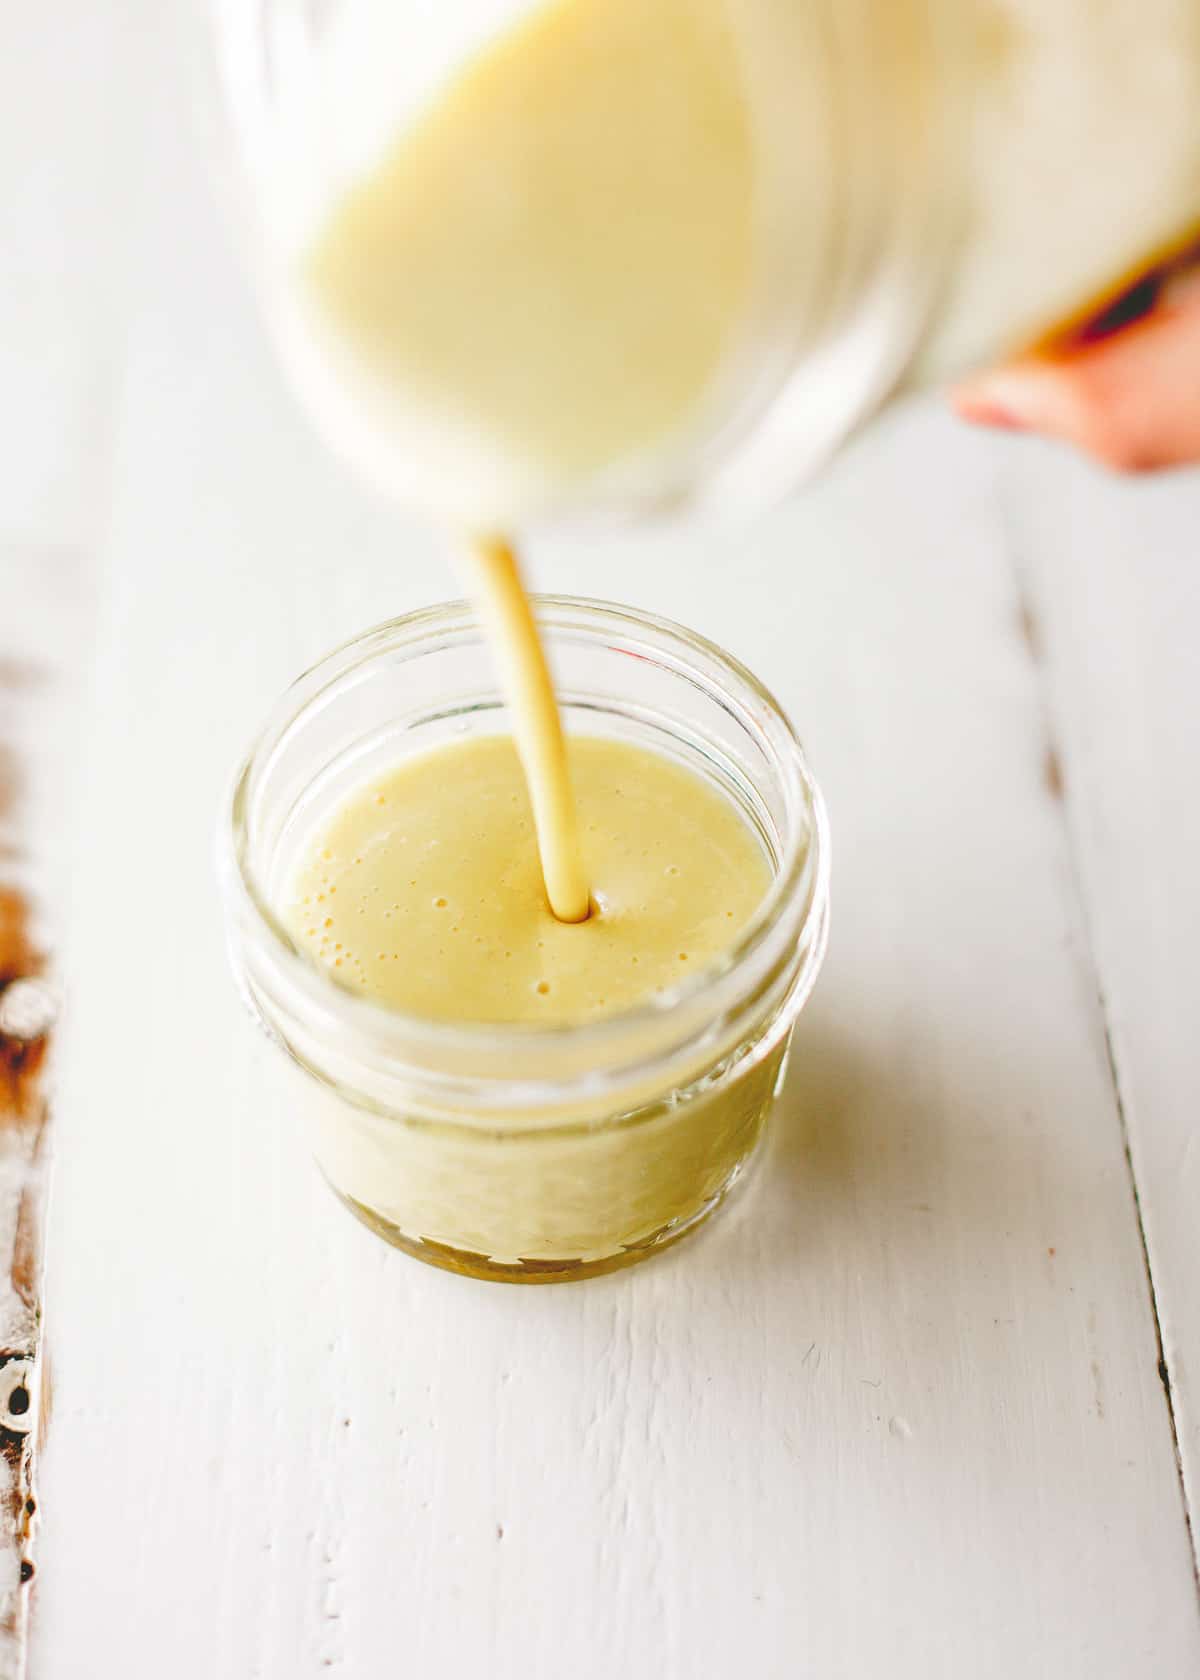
(334, 1007)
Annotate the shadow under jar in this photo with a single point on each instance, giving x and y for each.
(531, 1153)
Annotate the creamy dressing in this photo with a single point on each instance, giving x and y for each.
(549, 264)
(423, 889)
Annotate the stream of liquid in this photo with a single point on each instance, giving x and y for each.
(508, 621)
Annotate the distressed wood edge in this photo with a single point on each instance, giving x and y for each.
(27, 1010)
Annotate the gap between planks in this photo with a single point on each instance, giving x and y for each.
(1058, 788)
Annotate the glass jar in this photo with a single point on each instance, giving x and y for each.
(532, 1153)
(922, 185)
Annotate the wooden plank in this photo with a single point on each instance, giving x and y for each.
(69, 106)
(898, 1413)
(1114, 579)
(63, 133)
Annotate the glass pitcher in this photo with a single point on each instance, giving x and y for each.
(530, 261)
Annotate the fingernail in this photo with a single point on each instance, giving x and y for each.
(985, 411)
(999, 398)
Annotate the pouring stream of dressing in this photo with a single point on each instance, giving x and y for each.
(507, 616)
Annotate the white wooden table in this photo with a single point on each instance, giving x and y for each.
(927, 1402)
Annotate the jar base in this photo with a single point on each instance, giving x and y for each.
(467, 1264)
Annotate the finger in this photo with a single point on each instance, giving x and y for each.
(1132, 400)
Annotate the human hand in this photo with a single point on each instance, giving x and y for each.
(1124, 389)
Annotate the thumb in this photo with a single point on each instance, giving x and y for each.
(1132, 400)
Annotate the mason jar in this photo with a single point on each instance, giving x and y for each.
(531, 1153)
